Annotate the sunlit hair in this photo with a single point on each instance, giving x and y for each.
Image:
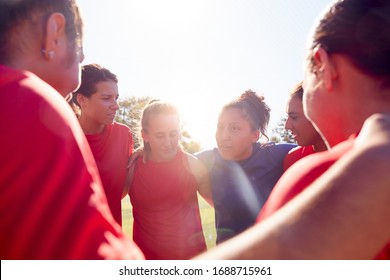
(156, 107)
(358, 29)
(91, 74)
(297, 91)
(35, 13)
(254, 109)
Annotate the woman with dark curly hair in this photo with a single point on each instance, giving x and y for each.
(242, 170)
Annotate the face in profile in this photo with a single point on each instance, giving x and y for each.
(65, 72)
(318, 105)
(162, 134)
(235, 135)
(72, 65)
(300, 127)
(100, 108)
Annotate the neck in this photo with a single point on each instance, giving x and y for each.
(156, 158)
(320, 146)
(90, 127)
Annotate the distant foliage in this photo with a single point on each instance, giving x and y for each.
(188, 144)
(280, 134)
(130, 112)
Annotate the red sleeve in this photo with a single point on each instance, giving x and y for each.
(300, 176)
(296, 154)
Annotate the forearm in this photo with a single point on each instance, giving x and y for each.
(343, 215)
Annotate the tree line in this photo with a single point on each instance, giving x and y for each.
(130, 112)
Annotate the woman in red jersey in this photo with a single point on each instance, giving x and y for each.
(111, 142)
(52, 205)
(302, 130)
(163, 192)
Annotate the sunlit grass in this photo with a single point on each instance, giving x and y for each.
(206, 213)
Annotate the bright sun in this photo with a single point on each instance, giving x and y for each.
(174, 27)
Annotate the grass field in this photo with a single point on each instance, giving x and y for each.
(206, 213)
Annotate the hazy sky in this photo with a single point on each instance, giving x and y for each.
(201, 53)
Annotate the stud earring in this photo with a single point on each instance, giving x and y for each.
(48, 54)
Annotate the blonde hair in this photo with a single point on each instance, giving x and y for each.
(155, 107)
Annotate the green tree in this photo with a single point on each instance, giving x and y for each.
(280, 134)
(188, 144)
(130, 112)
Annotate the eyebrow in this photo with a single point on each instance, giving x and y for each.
(293, 113)
(162, 132)
(105, 94)
(230, 123)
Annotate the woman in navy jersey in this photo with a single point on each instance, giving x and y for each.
(243, 171)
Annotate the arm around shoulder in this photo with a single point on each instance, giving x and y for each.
(199, 170)
(342, 215)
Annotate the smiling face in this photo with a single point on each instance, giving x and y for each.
(235, 135)
(162, 134)
(301, 128)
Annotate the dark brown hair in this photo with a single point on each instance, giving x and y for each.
(360, 30)
(91, 74)
(254, 109)
(35, 13)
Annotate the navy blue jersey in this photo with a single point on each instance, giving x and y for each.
(240, 188)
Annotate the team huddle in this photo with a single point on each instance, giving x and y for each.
(66, 165)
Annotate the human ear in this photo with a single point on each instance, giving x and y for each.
(81, 99)
(145, 135)
(256, 136)
(324, 67)
(55, 30)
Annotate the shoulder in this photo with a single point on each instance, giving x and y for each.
(300, 175)
(284, 147)
(302, 150)
(208, 157)
(296, 154)
(40, 107)
(193, 161)
(274, 147)
(205, 155)
(9, 76)
(275, 151)
(25, 90)
(120, 127)
(197, 167)
(313, 165)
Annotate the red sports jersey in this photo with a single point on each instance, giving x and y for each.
(167, 221)
(301, 175)
(52, 205)
(112, 149)
(296, 154)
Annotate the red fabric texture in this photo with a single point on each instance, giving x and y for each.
(112, 149)
(52, 205)
(167, 222)
(301, 175)
(296, 154)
